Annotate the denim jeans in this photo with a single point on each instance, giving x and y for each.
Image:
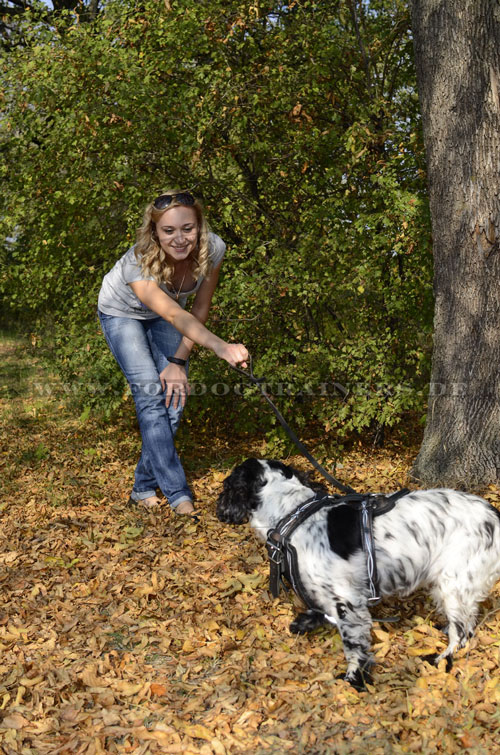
(141, 348)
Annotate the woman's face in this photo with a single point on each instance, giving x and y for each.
(177, 232)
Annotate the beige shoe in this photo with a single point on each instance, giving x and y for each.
(153, 502)
(186, 508)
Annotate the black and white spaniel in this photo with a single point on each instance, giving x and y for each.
(444, 540)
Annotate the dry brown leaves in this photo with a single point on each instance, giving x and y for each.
(124, 631)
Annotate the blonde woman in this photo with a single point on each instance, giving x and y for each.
(141, 310)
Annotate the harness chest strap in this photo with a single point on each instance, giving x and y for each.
(280, 551)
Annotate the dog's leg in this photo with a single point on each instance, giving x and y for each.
(306, 622)
(460, 611)
(354, 624)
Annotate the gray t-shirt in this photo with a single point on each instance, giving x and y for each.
(117, 298)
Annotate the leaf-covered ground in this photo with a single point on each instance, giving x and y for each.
(124, 631)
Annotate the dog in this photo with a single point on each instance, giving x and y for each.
(443, 540)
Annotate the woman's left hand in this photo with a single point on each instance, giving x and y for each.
(175, 382)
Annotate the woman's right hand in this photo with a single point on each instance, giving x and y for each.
(234, 353)
(175, 384)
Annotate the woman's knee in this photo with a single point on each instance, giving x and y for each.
(146, 389)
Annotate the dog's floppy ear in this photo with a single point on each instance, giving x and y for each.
(289, 472)
(239, 495)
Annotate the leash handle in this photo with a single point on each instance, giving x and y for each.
(303, 450)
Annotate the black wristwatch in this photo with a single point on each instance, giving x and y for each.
(176, 360)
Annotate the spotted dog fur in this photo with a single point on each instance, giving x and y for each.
(443, 540)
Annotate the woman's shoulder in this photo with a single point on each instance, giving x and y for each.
(216, 248)
(131, 258)
(130, 264)
(130, 255)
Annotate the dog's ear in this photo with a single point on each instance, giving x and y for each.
(289, 472)
(285, 469)
(239, 494)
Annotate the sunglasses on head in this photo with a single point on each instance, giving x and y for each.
(165, 200)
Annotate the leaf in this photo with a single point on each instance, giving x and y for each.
(158, 689)
(199, 732)
(15, 721)
(126, 688)
(9, 558)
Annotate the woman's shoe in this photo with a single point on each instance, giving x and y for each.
(147, 503)
(186, 508)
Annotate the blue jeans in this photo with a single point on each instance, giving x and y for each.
(141, 348)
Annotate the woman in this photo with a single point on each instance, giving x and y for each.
(141, 309)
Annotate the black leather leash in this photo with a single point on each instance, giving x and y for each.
(286, 427)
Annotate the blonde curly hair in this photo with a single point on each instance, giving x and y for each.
(153, 260)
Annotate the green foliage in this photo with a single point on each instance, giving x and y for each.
(298, 124)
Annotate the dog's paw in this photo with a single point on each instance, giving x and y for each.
(358, 679)
(444, 628)
(306, 622)
(434, 659)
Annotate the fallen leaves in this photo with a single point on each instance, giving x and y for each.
(134, 632)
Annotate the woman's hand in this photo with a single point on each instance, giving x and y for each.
(234, 353)
(174, 379)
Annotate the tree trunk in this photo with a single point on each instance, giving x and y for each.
(457, 51)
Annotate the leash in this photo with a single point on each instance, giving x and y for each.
(346, 489)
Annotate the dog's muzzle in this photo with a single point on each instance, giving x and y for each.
(229, 512)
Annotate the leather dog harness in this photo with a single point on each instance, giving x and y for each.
(283, 555)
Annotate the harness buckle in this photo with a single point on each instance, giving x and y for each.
(274, 551)
(276, 561)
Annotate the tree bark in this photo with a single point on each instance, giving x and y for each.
(457, 53)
